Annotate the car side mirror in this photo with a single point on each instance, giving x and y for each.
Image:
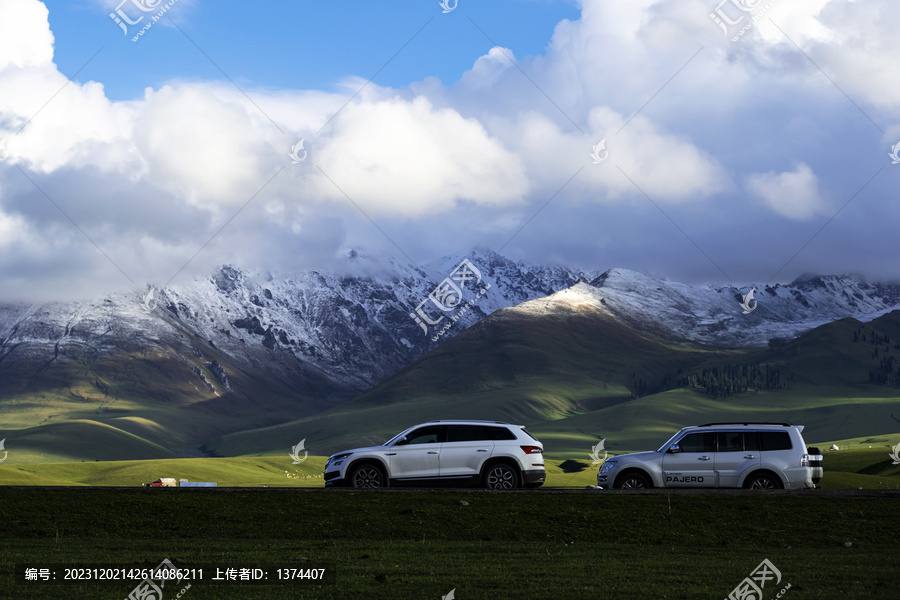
(674, 449)
(401, 442)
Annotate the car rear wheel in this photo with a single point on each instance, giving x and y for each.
(367, 476)
(632, 481)
(501, 477)
(763, 481)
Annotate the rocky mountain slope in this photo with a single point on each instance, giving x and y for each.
(310, 330)
(714, 316)
(354, 329)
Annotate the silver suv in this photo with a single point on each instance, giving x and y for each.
(721, 455)
(494, 454)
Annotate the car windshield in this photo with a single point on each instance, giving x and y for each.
(669, 441)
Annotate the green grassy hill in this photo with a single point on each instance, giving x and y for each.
(573, 379)
(511, 366)
(137, 406)
(572, 373)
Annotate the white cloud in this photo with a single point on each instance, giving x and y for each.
(792, 194)
(13, 229)
(203, 148)
(667, 167)
(25, 37)
(408, 159)
(152, 179)
(488, 69)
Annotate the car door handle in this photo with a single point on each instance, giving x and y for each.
(750, 456)
(390, 453)
(433, 452)
(482, 449)
(703, 458)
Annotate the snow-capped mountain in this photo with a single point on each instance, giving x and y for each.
(352, 329)
(720, 317)
(347, 330)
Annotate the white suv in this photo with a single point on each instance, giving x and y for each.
(494, 454)
(720, 455)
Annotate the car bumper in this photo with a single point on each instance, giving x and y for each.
(334, 479)
(799, 478)
(605, 480)
(534, 476)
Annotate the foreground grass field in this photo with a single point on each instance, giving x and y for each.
(409, 544)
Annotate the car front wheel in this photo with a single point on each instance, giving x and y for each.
(367, 476)
(632, 481)
(501, 477)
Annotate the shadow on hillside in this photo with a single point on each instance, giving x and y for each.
(573, 466)
(877, 469)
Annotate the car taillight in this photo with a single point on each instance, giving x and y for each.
(532, 449)
(804, 460)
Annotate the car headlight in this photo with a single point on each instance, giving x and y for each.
(608, 465)
(337, 460)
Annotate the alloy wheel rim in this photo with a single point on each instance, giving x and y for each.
(368, 478)
(501, 478)
(763, 484)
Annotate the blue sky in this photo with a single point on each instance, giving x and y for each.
(750, 153)
(297, 45)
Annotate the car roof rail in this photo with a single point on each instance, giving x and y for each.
(468, 421)
(746, 423)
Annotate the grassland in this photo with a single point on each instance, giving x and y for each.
(229, 472)
(861, 462)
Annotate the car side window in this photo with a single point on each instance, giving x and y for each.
(751, 440)
(425, 435)
(466, 433)
(698, 442)
(731, 441)
(774, 440)
(500, 433)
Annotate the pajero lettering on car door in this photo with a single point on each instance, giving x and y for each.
(737, 453)
(419, 456)
(694, 464)
(465, 450)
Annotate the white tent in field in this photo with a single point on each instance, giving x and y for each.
(834, 447)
